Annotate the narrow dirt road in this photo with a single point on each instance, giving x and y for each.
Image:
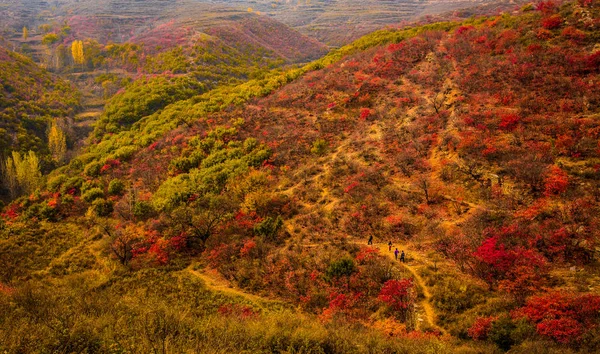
(215, 282)
(428, 313)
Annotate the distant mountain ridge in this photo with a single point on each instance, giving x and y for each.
(331, 22)
(338, 22)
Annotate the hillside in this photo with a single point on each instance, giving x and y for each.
(236, 219)
(154, 23)
(129, 40)
(30, 99)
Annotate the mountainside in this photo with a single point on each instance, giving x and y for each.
(235, 218)
(30, 99)
(176, 49)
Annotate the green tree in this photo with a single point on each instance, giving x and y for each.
(202, 216)
(25, 33)
(319, 147)
(9, 177)
(62, 55)
(49, 39)
(341, 268)
(45, 28)
(269, 228)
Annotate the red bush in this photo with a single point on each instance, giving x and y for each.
(562, 317)
(365, 113)
(546, 7)
(397, 294)
(563, 330)
(249, 245)
(552, 22)
(573, 34)
(480, 329)
(366, 254)
(509, 122)
(556, 181)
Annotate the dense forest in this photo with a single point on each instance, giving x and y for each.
(224, 202)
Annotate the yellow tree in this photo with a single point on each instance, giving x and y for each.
(9, 177)
(57, 142)
(77, 52)
(25, 33)
(21, 173)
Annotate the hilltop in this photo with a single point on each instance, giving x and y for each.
(237, 217)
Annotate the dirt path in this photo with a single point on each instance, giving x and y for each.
(428, 312)
(215, 282)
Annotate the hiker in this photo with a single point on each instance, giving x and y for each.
(370, 240)
(402, 257)
(390, 245)
(396, 253)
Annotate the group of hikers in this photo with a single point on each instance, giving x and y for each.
(396, 252)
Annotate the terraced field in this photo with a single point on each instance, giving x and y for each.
(155, 21)
(336, 22)
(331, 22)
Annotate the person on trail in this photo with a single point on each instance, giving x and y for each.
(370, 240)
(396, 253)
(390, 245)
(402, 257)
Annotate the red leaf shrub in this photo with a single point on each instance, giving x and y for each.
(552, 22)
(249, 245)
(562, 317)
(556, 181)
(365, 113)
(509, 122)
(367, 254)
(562, 330)
(480, 329)
(397, 294)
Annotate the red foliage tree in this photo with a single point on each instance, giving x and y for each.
(506, 258)
(481, 327)
(552, 22)
(556, 181)
(398, 295)
(562, 317)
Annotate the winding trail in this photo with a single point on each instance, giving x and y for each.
(428, 312)
(215, 282)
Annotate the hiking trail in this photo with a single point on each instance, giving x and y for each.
(429, 314)
(215, 282)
